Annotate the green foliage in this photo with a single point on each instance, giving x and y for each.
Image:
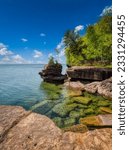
(95, 47)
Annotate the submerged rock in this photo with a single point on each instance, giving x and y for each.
(98, 121)
(31, 131)
(76, 128)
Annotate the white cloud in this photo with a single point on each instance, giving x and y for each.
(106, 10)
(37, 54)
(78, 28)
(24, 40)
(18, 59)
(42, 34)
(6, 59)
(50, 55)
(60, 45)
(4, 50)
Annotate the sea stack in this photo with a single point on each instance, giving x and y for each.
(52, 72)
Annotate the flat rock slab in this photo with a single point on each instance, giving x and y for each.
(9, 116)
(106, 119)
(38, 132)
(100, 120)
(89, 73)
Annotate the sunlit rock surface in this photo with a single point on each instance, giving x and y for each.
(22, 130)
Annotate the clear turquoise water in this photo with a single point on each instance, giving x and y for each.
(20, 85)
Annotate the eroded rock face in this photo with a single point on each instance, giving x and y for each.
(103, 88)
(32, 131)
(89, 73)
(52, 74)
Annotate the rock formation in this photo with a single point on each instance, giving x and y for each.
(52, 73)
(103, 88)
(22, 130)
(89, 73)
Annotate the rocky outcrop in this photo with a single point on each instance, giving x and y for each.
(75, 85)
(52, 73)
(89, 73)
(21, 130)
(103, 88)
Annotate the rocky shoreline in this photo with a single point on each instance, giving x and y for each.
(25, 130)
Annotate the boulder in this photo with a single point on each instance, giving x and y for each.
(103, 88)
(31, 131)
(74, 85)
(89, 73)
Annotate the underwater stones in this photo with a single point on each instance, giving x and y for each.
(69, 121)
(82, 100)
(91, 121)
(58, 121)
(89, 111)
(77, 113)
(103, 103)
(98, 121)
(63, 109)
(105, 109)
(43, 107)
(73, 93)
(74, 85)
(76, 128)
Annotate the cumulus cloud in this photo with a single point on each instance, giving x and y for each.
(78, 28)
(4, 50)
(50, 55)
(18, 59)
(37, 54)
(42, 34)
(24, 40)
(61, 52)
(106, 10)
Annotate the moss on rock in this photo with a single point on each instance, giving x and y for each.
(76, 128)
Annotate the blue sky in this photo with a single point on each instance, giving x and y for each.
(30, 30)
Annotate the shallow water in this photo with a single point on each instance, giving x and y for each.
(21, 85)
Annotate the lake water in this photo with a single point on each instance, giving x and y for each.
(21, 85)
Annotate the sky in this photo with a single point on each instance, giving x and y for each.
(31, 30)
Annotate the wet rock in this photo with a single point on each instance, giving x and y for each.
(105, 110)
(63, 109)
(89, 73)
(76, 128)
(69, 121)
(100, 120)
